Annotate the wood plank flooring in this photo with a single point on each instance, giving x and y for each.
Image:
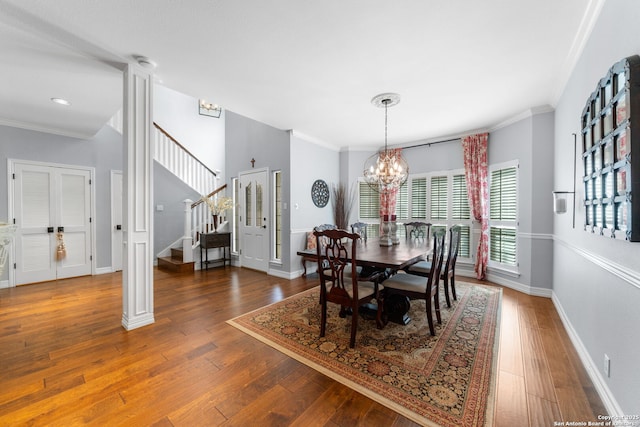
(66, 360)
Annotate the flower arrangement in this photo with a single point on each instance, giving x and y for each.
(219, 205)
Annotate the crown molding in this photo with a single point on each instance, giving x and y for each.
(589, 19)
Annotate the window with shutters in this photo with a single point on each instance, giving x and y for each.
(439, 198)
(449, 205)
(503, 215)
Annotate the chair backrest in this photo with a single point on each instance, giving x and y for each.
(360, 228)
(436, 262)
(338, 255)
(324, 227)
(417, 230)
(454, 247)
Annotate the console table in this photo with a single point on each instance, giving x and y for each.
(215, 240)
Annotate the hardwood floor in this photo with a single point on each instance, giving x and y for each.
(66, 360)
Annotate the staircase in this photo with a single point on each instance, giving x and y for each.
(175, 263)
(184, 165)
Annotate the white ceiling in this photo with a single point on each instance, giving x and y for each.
(313, 67)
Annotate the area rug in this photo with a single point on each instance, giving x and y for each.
(446, 380)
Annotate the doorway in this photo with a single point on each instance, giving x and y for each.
(254, 219)
(52, 206)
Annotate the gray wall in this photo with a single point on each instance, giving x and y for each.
(169, 191)
(247, 139)
(596, 280)
(309, 162)
(102, 152)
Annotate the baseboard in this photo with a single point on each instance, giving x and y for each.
(4, 284)
(284, 274)
(525, 289)
(104, 270)
(593, 371)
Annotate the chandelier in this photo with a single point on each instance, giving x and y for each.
(386, 170)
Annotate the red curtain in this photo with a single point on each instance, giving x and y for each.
(476, 175)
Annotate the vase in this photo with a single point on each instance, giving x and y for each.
(215, 222)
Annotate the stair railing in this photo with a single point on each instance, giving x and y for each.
(197, 220)
(182, 163)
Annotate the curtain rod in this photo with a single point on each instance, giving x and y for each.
(429, 144)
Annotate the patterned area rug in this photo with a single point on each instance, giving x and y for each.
(446, 380)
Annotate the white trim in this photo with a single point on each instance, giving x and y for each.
(4, 284)
(521, 116)
(502, 281)
(45, 129)
(630, 276)
(589, 19)
(536, 236)
(103, 270)
(284, 274)
(315, 141)
(609, 401)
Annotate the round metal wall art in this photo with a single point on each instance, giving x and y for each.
(320, 193)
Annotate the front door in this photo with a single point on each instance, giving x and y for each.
(52, 206)
(254, 220)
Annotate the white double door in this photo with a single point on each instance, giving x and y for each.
(51, 202)
(254, 219)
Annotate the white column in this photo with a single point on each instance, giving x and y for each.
(137, 271)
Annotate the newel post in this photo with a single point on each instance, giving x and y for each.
(187, 241)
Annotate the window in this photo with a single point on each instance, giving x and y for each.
(439, 198)
(277, 216)
(503, 223)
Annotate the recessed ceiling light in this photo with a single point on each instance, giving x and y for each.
(61, 101)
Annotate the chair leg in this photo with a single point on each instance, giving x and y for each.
(430, 317)
(446, 290)
(380, 302)
(452, 281)
(436, 303)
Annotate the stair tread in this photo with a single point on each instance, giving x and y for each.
(174, 260)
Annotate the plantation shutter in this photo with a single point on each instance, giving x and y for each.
(464, 250)
(503, 245)
(419, 198)
(503, 194)
(439, 198)
(460, 200)
(402, 202)
(369, 202)
(503, 209)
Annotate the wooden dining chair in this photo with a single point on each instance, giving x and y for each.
(448, 275)
(360, 228)
(417, 287)
(417, 230)
(339, 281)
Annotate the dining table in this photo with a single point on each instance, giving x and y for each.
(373, 257)
(396, 257)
